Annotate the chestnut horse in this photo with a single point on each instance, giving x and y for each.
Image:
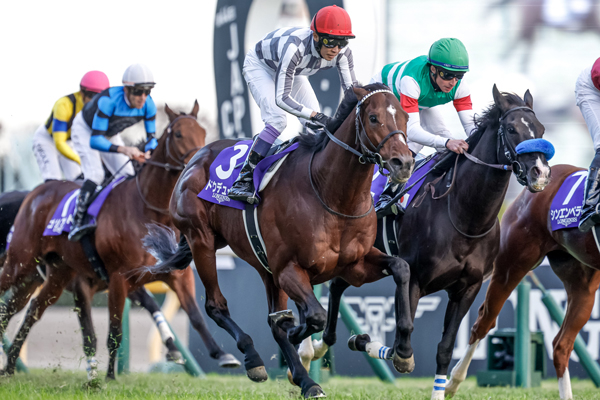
(120, 226)
(526, 239)
(317, 221)
(450, 240)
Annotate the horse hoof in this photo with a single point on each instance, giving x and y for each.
(404, 365)
(352, 341)
(176, 357)
(257, 374)
(229, 361)
(314, 392)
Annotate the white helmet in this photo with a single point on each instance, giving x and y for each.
(138, 75)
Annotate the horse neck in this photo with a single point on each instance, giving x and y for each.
(156, 183)
(480, 189)
(342, 181)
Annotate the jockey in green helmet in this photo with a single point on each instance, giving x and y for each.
(421, 84)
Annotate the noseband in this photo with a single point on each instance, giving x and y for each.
(509, 150)
(368, 156)
(178, 166)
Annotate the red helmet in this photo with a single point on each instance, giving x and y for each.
(332, 21)
(94, 81)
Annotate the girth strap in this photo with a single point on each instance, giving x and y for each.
(94, 258)
(253, 233)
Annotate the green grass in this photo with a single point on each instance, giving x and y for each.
(66, 385)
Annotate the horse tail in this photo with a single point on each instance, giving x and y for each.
(161, 242)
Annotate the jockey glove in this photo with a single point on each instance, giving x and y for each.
(151, 145)
(322, 120)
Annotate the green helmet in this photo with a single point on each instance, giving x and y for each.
(450, 54)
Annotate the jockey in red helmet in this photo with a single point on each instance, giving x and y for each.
(277, 71)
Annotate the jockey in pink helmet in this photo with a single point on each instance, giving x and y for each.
(55, 157)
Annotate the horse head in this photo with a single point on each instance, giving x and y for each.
(381, 129)
(520, 141)
(180, 140)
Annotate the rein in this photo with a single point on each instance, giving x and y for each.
(180, 164)
(367, 155)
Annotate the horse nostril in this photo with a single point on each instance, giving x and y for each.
(535, 172)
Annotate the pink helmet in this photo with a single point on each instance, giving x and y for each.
(94, 81)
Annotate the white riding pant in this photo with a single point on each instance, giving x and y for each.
(53, 165)
(432, 121)
(261, 82)
(91, 160)
(588, 100)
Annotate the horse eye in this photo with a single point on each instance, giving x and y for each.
(177, 134)
(373, 119)
(510, 129)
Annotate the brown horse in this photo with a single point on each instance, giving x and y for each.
(526, 239)
(120, 226)
(317, 222)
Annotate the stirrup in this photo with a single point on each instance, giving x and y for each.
(243, 194)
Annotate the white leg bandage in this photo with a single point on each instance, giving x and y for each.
(163, 327)
(439, 387)
(378, 350)
(92, 368)
(564, 386)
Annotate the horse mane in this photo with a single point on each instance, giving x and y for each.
(317, 142)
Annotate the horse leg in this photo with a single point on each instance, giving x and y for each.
(51, 291)
(141, 297)
(183, 285)
(458, 306)
(82, 295)
(117, 293)
(515, 259)
(295, 282)
(281, 324)
(202, 246)
(337, 286)
(581, 283)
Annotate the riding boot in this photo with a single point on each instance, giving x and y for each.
(384, 205)
(79, 229)
(243, 188)
(590, 214)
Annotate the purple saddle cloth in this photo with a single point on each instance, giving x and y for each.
(566, 205)
(225, 169)
(63, 215)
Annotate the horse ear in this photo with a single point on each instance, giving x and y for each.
(195, 110)
(528, 98)
(359, 92)
(499, 99)
(170, 113)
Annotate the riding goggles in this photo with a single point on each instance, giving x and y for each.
(140, 91)
(89, 93)
(449, 75)
(331, 42)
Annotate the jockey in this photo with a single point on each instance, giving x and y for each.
(96, 136)
(277, 71)
(587, 95)
(50, 141)
(420, 85)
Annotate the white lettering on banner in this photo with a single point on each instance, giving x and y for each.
(566, 215)
(236, 106)
(219, 191)
(225, 15)
(223, 174)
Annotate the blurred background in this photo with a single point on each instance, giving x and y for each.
(195, 49)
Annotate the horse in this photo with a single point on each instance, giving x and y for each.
(533, 18)
(120, 226)
(317, 222)
(526, 239)
(84, 289)
(451, 240)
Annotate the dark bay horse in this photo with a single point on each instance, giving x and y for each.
(317, 222)
(526, 239)
(451, 239)
(120, 226)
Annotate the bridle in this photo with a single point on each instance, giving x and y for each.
(179, 165)
(509, 150)
(366, 156)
